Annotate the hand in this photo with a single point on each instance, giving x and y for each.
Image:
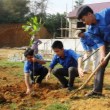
(28, 91)
(80, 71)
(48, 76)
(33, 59)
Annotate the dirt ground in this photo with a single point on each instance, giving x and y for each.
(13, 97)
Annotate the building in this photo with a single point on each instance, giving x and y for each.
(74, 24)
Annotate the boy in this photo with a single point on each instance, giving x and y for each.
(33, 67)
(90, 43)
(99, 25)
(71, 63)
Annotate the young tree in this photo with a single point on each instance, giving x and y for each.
(32, 26)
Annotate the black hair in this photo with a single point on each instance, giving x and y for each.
(83, 10)
(29, 52)
(57, 44)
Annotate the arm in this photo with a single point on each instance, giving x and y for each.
(102, 51)
(27, 83)
(78, 58)
(38, 61)
(53, 63)
(50, 70)
(100, 44)
(85, 46)
(26, 76)
(48, 75)
(80, 70)
(39, 42)
(41, 61)
(102, 54)
(80, 62)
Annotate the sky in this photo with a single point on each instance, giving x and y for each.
(55, 6)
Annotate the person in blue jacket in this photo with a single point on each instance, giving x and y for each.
(89, 44)
(71, 65)
(98, 25)
(33, 66)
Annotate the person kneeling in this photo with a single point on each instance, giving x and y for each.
(71, 63)
(33, 68)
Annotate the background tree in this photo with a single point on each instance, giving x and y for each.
(53, 23)
(13, 11)
(78, 3)
(38, 6)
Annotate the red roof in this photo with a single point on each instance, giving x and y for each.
(97, 7)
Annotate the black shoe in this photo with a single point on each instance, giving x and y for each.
(93, 94)
(70, 88)
(64, 86)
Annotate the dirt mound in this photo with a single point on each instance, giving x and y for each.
(16, 93)
(2, 99)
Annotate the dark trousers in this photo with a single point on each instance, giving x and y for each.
(61, 73)
(99, 77)
(41, 73)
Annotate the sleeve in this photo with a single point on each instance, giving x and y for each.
(107, 16)
(39, 56)
(107, 29)
(98, 41)
(26, 67)
(39, 41)
(85, 47)
(74, 54)
(54, 62)
(107, 34)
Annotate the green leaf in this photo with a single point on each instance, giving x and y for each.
(34, 27)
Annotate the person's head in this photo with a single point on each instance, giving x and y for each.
(86, 14)
(58, 48)
(29, 54)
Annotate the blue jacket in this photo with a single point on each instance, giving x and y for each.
(102, 28)
(70, 59)
(90, 42)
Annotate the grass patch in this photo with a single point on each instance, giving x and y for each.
(37, 106)
(13, 106)
(5, 63)
(57, 106)
(48, 64)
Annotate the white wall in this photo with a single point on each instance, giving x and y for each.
(68, 44)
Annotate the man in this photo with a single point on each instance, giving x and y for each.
(90, 43)
(33, 67)
(71, 63)
(99, 25)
